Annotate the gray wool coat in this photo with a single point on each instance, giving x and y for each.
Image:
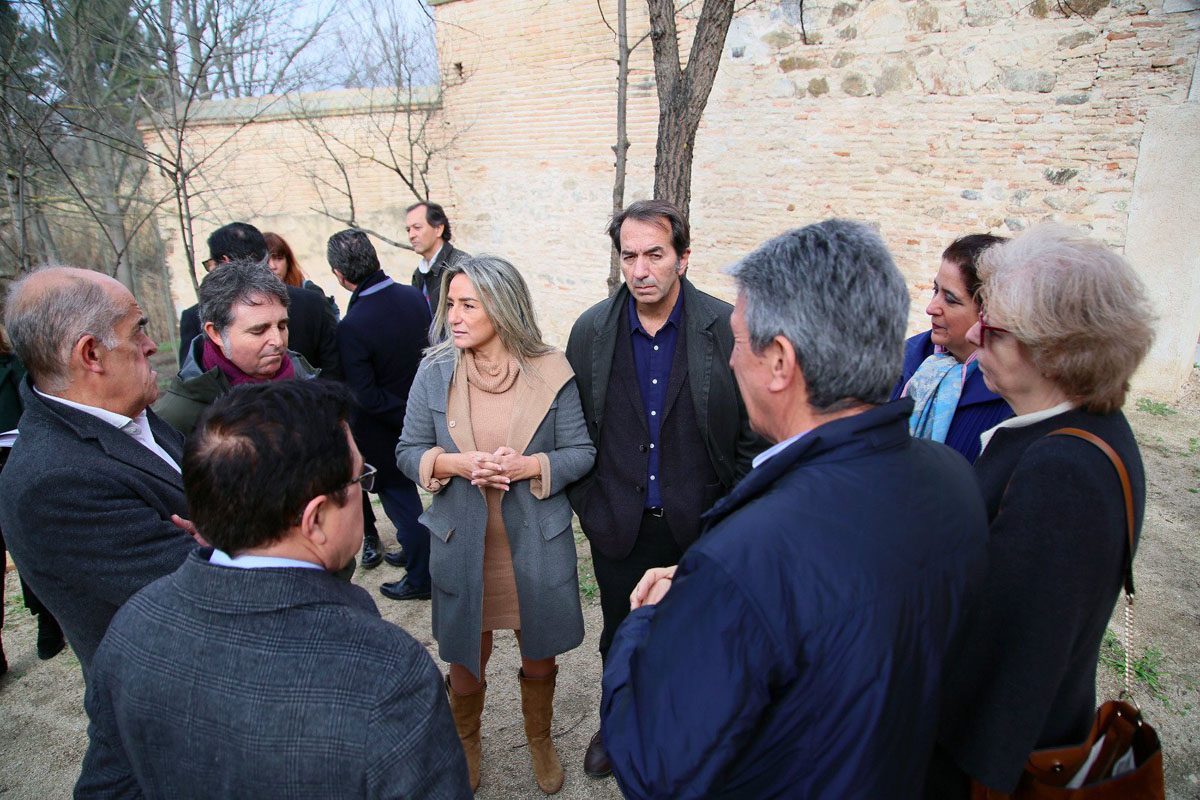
(548, 423)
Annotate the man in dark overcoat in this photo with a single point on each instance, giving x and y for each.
(662, 408)
(252, 671)
(89, 492)
(381, 341)
(428, 231)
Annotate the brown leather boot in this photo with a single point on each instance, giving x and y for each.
(466, 709)
(537, 704)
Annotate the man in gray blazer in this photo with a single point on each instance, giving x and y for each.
(252, 671)
(90, 492)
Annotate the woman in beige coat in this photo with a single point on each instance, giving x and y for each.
(495, 431)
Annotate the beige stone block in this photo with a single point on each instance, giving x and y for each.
(980, 69)
(882, 18)
(1163, 243)
(937, 75)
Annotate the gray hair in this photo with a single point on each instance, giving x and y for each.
(241, 281)
(1077, 306)
(44, 323)
(506, 301)
(832, 290)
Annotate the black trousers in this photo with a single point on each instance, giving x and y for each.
(655, 547)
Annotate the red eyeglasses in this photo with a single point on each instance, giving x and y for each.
(984, 328)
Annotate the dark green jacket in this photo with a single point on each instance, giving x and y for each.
(11, 372)
(194, 390)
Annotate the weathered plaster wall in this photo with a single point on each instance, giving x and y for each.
(1164, 241)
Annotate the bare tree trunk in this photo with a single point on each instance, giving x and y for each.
(621, 148)
(14, 186)
(683, 93)
(46, 237)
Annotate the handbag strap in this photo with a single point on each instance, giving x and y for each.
(1127, 490)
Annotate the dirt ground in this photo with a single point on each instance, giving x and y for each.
(43, 727)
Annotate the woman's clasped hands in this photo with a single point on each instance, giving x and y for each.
(500, 469)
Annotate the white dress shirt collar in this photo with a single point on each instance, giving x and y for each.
(425, 264)
(775, 450)
(1022, 421)
(244, 561)
(137, 427)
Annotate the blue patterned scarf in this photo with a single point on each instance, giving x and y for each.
(935, 388)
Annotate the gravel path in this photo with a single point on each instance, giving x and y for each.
(43, 727)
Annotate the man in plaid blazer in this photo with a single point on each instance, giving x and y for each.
(253, 671)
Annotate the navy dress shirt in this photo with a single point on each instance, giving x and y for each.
(652, 357)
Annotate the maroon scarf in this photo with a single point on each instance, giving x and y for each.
(213, 357)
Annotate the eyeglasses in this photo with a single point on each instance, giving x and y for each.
(208, 264)
(984, 328)
(367, 479)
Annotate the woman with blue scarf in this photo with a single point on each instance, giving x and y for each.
(951, 404)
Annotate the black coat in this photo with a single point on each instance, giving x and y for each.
(1024, 674)
(311, 331)
(719, 411)
(86, 512)
(431, 282)
(380, 342)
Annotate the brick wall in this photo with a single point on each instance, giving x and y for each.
(929, 118)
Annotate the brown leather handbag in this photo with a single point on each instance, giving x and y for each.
(1120, 740)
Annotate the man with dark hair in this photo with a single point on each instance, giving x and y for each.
(797, 649)
(380, 341)
(92, 485)
(252, 670)
(312, 327)
(662, 408)
(428, 231)
(246, 332)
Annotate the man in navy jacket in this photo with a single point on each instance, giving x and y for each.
(799, 650)
(380, 342)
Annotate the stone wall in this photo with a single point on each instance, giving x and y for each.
(929, 118)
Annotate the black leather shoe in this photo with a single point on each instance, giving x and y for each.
(396, 559)
(595, 760)
(50, 641)
(372, 552)
(400, 590)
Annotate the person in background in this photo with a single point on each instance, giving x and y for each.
(246, 315)
(380, 343)
(951, 403)
(495, 431)
(797, 649)
(313, 328)
(252, 671)
(50, 640)
(282, 262)
(91, 499)
(428, 231)
(1065, 323)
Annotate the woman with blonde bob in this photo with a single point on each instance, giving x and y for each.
(1065, 323)
(495, 431)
